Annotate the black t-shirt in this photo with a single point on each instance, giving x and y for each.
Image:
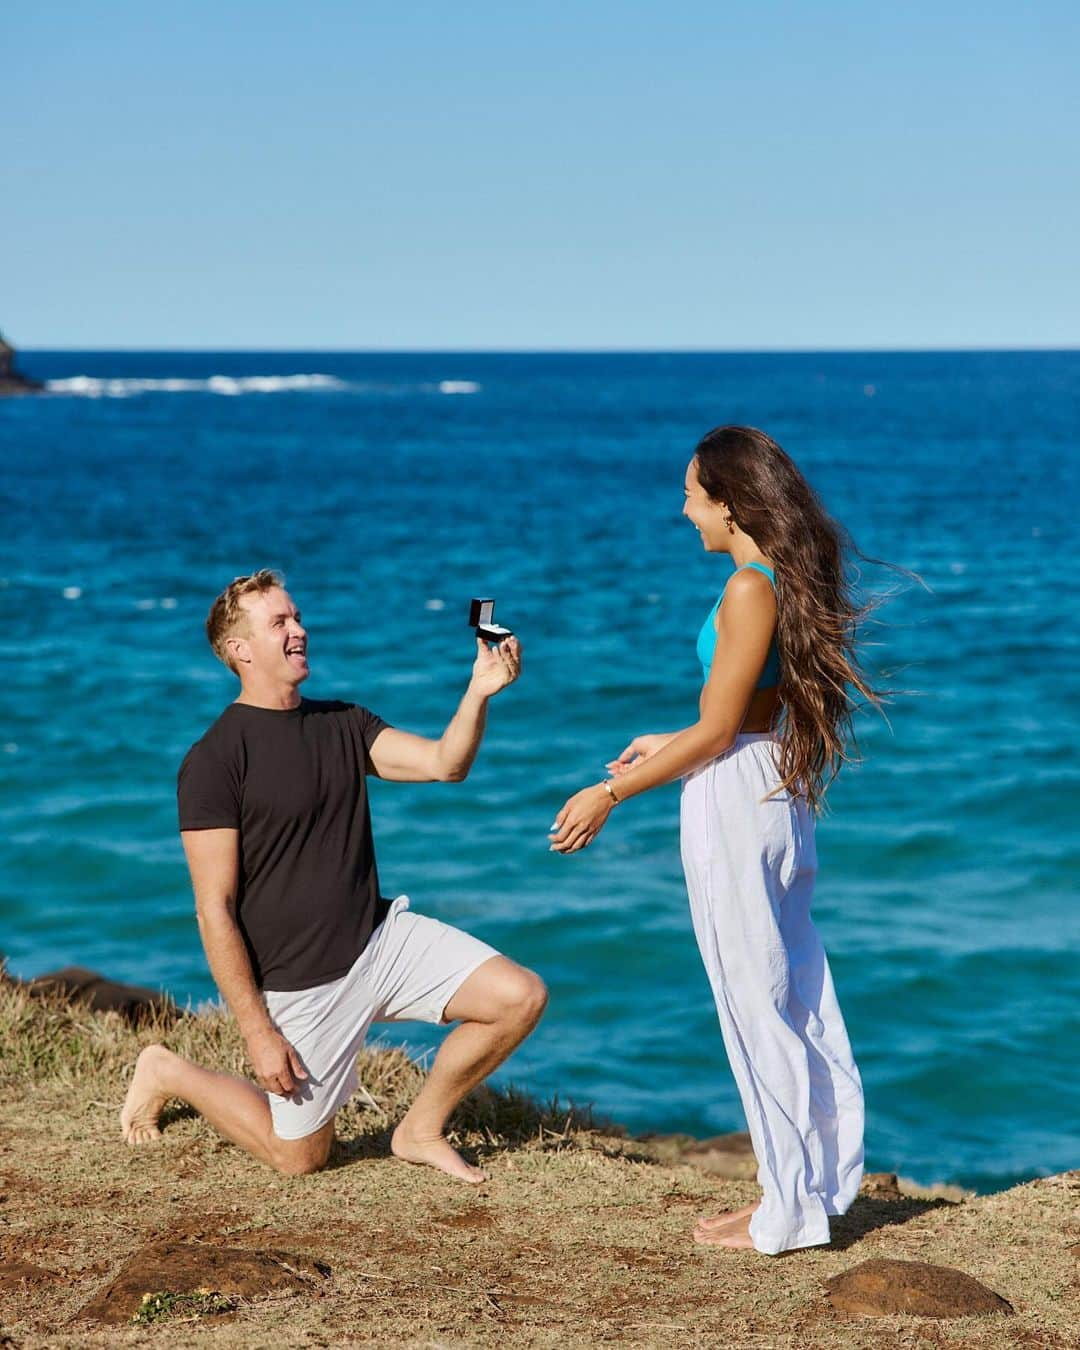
(293, 783)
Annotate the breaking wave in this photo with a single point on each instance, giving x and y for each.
(88, 386)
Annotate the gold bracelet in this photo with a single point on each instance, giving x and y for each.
(606, 785)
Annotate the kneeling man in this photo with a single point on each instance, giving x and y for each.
(277, 831)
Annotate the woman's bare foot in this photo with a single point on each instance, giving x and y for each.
(145, 1098)
(735, 1235)
(723, 1220)
(433, 1152)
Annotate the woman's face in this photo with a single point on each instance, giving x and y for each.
(707, 517)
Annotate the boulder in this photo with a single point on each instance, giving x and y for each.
(883, 1288)
(193, 1268)
(75, 984)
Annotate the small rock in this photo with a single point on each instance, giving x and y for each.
(882, 1288)
(186, 1267)
(724, 1155)
(882, 1186)
(938, 1190)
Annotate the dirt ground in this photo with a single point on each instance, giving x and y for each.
(579, 1238)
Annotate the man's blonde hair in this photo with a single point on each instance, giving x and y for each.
(228, 618)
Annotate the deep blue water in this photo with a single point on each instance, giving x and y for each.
(947, 894)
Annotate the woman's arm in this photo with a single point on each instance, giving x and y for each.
(746, 624)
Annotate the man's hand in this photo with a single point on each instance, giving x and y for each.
(581, 819)
(277, 1065)
(495, 667)
(639, 750)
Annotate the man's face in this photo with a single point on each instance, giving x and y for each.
(274, 646)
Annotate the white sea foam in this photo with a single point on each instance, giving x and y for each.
(89, 386)
(232, 386)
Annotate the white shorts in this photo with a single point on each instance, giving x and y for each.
(409, 971)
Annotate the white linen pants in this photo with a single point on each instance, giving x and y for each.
(750, 865)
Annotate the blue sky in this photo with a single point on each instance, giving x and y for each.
(600, 175)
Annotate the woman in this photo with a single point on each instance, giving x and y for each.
(777, 652)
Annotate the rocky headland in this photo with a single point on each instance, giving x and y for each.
(12, 382)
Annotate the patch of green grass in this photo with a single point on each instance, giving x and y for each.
(164, 1306)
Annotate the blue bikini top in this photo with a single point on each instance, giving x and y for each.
(706, 643)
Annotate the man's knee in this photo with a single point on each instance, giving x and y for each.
(302, 1157)
(527, 997)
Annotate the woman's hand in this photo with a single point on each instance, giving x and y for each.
(581, 819)
(639, 750)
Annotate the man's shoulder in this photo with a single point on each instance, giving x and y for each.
(218, 740)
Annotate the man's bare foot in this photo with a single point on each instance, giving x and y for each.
(735, 1235)
(433, 1153)
(723, 1220)
(145, 1098)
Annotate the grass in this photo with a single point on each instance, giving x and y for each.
(45, 1040)
(579, 1238)
(164, 1306)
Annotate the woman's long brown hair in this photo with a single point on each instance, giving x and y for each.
(818, 615)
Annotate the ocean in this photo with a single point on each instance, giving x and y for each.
(391, 489)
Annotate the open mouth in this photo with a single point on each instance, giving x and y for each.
(297, 654)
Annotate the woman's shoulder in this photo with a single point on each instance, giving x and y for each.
(749, 585)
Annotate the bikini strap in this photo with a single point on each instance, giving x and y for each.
(763, 569)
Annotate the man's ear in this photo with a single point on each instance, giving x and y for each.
(239, 650)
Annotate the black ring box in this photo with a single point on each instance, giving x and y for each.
(481, 617)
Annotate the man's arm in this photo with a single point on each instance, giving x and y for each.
(404, 758)
(213, 858)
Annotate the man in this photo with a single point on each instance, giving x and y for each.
(276, 828)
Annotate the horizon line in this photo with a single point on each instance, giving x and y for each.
(560, 351)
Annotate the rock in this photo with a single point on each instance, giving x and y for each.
(724, 1155)
(11, 381)
(881, 1186)
(882, 1288)
(190, 1267)
(75, 984)
(938, 1190)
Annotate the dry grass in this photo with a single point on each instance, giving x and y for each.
(578, 1239)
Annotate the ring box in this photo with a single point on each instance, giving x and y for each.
(482, 616)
